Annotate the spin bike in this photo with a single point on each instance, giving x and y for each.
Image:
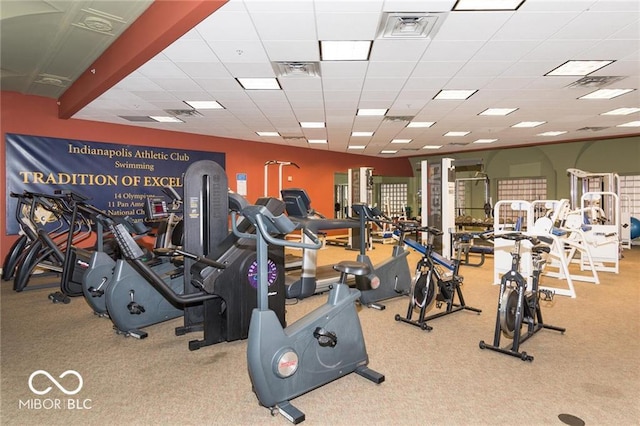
(389, 278)
(437, 279)
(320, 347)
(518, 306)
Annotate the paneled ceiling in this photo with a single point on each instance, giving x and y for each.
(501, 56)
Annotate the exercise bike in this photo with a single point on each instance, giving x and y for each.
(388, 279)
(322, 346)
(518, 306)
(437, 279)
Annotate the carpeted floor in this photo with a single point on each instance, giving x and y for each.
(439, 377)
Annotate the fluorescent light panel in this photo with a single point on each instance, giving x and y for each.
(606, 93)
(454, 94)
(204, 104)
(525, 124)
(259, 83)
(552, 133)
(388, 151)
(432, 147)
(621, 111)
(485, 140)
(473, 5)
(578, 68)
(456, 134)
(312, 124)
(630, 124)
(319, 141)
(335, 50)
(268, 133)
(371, 111)
(165, 119)
(362, 134)
(498, 111)
(356, 147)
(421, 124)
(401, 140)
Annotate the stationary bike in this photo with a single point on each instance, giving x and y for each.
(437, 279)
(388, 279)
(322, 346)
(517, 305)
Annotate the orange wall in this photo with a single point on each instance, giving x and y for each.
(38, 116)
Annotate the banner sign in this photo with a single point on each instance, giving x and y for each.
(116, 178)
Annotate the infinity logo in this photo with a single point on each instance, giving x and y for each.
(55, 382)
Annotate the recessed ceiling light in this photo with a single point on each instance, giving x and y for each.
(606, 93)
(630, 124)
(498, 111)
(356, 147)
(474, 5)
(388, 151)
(528, 124)
(312, 124)
(421, 124)
(204, 104)
(165, 119)
(317, 141)
(485, 140)
(259, 83)
(621, 111)
(552, 133)
(578, 68)
(401, 140)
(456, 134)
(454, 94)
(268, 133)
(371, 111)
(432, 147)
(361, 133)
(345, 50)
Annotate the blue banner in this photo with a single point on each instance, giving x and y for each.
(116, 178)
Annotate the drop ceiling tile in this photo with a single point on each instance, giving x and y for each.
(346, 69)
(284, 26)
(341, 84)
(156, 69)
(418, 6)
(347, 26)
(484, 68)
(560, 50)
(451, 50)
(526, 26)
(306, 84)
(225, 25)
(239, 51)
(292, 51)
(590, 26)
(284, 6)
(383, 84)
(398, 50)
(204, 70)
(390, 69)
(376, 98)
(215, 85)
(505, 50)
(437, 69)
(251, 69)
(556, 6)
(177, 84)
(472, 25)
(190, 50)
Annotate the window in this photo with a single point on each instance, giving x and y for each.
(393, 198)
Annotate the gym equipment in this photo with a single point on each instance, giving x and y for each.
(388, 279)
(360, 191)
(322, 346)
(517, 305)
(313, 278)
(437, 279)
(281, 165)
(635, 228)
(437, 183)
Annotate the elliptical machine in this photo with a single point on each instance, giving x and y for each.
(388, 279)
(322, 346)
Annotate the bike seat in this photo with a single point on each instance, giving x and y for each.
(541, 248)
(352, 267)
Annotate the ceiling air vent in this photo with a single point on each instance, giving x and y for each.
(296, 69)
(183, 112)
(594, 81)
(53, 80)
(398, 118)
(294, 138)
(396, 25)
(138, 118)
(592, 129)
